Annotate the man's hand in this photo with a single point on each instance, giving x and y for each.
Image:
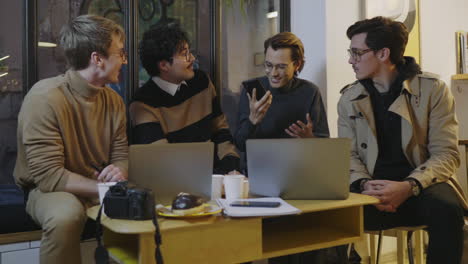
(111, 173)
(390, 193)
(301, 130)
(258, 109)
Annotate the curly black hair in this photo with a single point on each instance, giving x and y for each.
(159, 43)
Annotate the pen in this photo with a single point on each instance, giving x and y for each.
(96, 168)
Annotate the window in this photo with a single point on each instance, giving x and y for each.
(11, 91)
(244, 27)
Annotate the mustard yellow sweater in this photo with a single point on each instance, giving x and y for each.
(64, 126)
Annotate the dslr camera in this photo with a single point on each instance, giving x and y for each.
(126, 201)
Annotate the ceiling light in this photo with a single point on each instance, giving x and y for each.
(46, 44)
(4, 57)
(273, 14)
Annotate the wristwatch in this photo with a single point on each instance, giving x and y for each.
(414, 187)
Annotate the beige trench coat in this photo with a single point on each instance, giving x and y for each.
(429, 130)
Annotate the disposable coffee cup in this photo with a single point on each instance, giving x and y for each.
(234, 186)
(103, 187)
(217, 182)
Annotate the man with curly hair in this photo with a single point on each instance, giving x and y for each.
(178, 103)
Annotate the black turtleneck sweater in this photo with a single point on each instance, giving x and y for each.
(290, 104)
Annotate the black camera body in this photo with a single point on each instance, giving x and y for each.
(124, 201)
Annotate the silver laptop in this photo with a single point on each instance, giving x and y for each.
(299, 169)
(171, 168)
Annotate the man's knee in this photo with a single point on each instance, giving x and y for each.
(66, 218)
(445, 204)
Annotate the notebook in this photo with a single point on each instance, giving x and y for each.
(299, 169)
(171, 168)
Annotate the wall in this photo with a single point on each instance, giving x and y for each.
(339, 71)
(325, 41)
(308, 23)
(439, 21)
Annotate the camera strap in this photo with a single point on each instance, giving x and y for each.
(101, 255)
(157, 240)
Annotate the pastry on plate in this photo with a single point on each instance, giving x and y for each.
(187, 204)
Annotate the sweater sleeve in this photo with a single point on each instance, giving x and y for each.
(227, 157)
(119, 148)
(319, 116)
(43, 145)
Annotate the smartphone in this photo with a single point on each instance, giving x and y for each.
(259, 89)
(255, 204)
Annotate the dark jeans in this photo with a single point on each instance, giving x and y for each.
(437, 207)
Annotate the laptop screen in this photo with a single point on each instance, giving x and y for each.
(171, 168)
(301, 169)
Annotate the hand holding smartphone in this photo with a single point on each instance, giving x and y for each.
(255, 204)
(259, 89)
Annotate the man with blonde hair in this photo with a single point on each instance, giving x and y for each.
(67, 126)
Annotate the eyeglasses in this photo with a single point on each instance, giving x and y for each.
(356, 54)
(122, 53)
(282, 67)
(188, 55)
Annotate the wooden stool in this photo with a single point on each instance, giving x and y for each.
(399, 233)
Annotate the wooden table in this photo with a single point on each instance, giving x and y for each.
(216, 239)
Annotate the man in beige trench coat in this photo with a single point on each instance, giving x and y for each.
(404, 139)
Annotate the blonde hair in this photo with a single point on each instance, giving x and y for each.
(87, 34)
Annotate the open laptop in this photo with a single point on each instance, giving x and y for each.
(299, 169)
(171, 168)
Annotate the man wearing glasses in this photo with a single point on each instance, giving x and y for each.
(404, 139)
(67, 125)
(291, 107)
(178, 103)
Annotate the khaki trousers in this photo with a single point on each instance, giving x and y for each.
(62, 217)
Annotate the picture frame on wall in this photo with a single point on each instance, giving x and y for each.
(405, 11)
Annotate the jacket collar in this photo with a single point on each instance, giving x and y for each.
(361, 99)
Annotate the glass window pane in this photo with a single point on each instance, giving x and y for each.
(245, 26)
(192, 15)
(11, 91)
(52, 15)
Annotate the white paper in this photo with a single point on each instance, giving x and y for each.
(236, 211)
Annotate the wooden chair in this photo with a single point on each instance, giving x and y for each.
(400, 233)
